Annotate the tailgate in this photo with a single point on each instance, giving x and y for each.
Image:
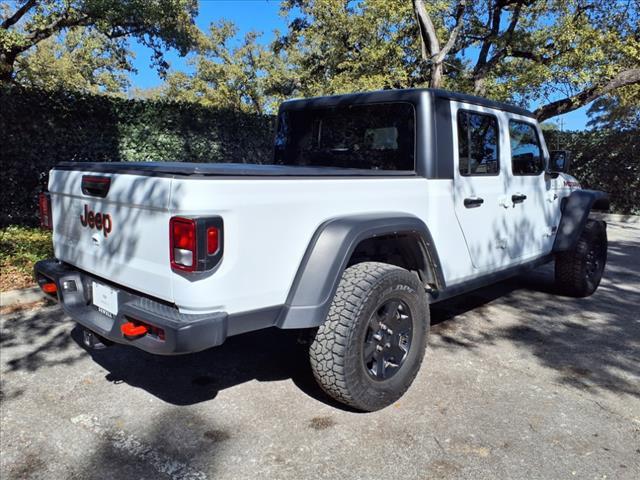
(115, 226)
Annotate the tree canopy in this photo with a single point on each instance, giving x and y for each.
(242, 77)
(104, 26)
(83, 60)
(552, 55)
(559, 54)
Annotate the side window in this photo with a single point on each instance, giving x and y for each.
(526, 154)
(477, 143)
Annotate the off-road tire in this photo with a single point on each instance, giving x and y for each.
(337, 351)
(578, 271)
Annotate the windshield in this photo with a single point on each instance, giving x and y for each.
(373, 137)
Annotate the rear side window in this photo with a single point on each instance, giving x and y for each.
(477, 143)
(372, 137)
(526, 153)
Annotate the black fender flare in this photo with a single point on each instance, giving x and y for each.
(328, 254)
(575, 213)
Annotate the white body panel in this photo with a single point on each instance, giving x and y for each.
(484, 226)
(268, 224)
(134, 253)
(500, 233)
(530, 224)
(270, 221)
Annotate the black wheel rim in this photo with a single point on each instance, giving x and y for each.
(593, 263)
(388, 339)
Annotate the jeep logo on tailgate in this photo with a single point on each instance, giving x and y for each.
(101, 221)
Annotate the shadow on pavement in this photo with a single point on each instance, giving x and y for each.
(591, 343)
(265, 355)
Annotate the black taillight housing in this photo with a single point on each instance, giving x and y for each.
(196, 244)
(44, 208)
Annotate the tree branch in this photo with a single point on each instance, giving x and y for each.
(494, 24)
(484, 65)
(431, 51)
(454, 33)
(428, 36)
(559, 107)
(15, 18)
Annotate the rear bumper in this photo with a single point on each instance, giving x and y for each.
(182, 333)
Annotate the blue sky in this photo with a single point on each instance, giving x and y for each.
(248, 15)
(262, 16)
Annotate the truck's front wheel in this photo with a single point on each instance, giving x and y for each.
(578, 272)
(370, 347)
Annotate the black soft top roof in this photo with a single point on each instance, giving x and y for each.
(413, 95)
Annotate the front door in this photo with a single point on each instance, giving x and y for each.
(479, 184)
(533, 216)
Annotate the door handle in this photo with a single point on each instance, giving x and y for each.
(473, 202)
(518, 198)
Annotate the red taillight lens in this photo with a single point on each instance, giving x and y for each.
(184, 234)
(183, 243)
(213, 240)
(44, 206)
(196, 244)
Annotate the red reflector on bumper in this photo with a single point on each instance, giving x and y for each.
(49, 287)
(130, 329)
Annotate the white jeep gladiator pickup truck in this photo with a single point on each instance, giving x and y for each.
(374, 206)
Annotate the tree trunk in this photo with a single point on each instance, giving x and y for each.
(479, 87)
(436, 75)
(432, 52)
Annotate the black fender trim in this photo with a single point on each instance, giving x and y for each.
(575, 214)
(328, 254)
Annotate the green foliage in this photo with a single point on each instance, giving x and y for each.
(337, 47)
(620, 111)
(21, 247)
(331, 46)
(158, 24)
(559, 54)
(41, 128)
(605, 159)
(241, 77)
(83, 60)
(551, 49)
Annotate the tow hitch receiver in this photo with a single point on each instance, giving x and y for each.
(93, 341)
(130, 329)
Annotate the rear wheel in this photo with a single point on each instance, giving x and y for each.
(578, 272)
(370, 347)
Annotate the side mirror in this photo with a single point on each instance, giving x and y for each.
(559, 161)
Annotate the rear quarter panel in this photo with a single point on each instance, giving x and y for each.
(269, 223)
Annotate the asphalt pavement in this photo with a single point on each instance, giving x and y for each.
(517, 383)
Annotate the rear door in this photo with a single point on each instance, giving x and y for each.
(479, 183)
(532, 219)
(115, 226)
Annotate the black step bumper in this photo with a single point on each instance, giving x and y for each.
(181, 333)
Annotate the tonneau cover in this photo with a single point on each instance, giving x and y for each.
(222, 169)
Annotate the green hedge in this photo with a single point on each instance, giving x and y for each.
(39, 129)
(606, 160)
